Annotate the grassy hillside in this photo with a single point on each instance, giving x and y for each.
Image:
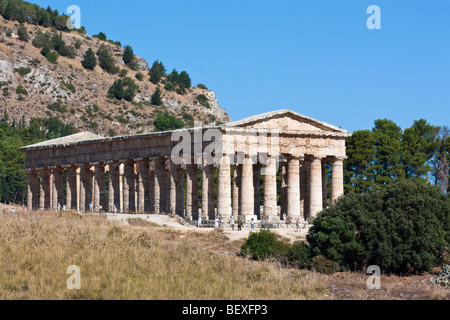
(144, 261)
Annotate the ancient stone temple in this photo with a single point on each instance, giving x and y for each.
(269, 166)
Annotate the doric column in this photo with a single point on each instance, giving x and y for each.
(293, 187)
(71, 188)
(121, 178)
(257, 191)
(173, 176)
(247, 191)
(154, 190)
(144, 186)
(224, 188)
(304, 188)
(161, 186)
(128, 187)
(284, 190)
(270, 190)
(324, 184)
(337, 180)
(99, 187)
(44, 199)
(205, 190)
(192, 192)
(32, 199)
(316, 194)
(57, 193)
(211, 194)
(140, 187)
(114, 187)
(179, 198)
(164, 187)
(236, 190)
(85, 188)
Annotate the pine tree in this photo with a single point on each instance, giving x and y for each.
(418, 146)
(387, 163)
(90, 61)
(156, 97)
(117, 90)
(8, 14)
(22, 32)
(173, 77)
(184, 81)
(106, 60)
(442, 160)
(128, 55)
(157, 71)
(360, 149)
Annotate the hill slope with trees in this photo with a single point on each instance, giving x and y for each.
(91, 81)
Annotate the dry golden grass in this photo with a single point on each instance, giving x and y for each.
(126, 262)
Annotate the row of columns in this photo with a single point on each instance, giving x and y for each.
(157, 186)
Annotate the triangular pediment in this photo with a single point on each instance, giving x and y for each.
(284, 120)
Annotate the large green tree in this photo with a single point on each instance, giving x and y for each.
(387, 157)
(418, 146)
(400, 227)
(358, 173)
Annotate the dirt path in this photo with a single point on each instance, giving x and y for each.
(165, 221)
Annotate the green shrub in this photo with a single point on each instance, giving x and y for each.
(156, 98)
(101, 36)
(324, 265)
(23, 71)
(21, 90)
(139, 76)
(106, 60)
(58, 106)
(203, 100)
(89, 60)
(202, 86)
(169, 86)
(93, 125)
(300, 254)
(41, 39)
(78, 44)
(401, 227)
(68, 51)
(52, 56)
(166, 121)
(22, 33)
(69, 86)
(263, 244)
(123, 89)
(123, 73)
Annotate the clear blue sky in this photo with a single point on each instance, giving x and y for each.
(316, 57)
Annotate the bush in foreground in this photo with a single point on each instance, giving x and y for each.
(264, 244)
(402, 227)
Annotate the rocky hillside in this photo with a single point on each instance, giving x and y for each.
(77, 95)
